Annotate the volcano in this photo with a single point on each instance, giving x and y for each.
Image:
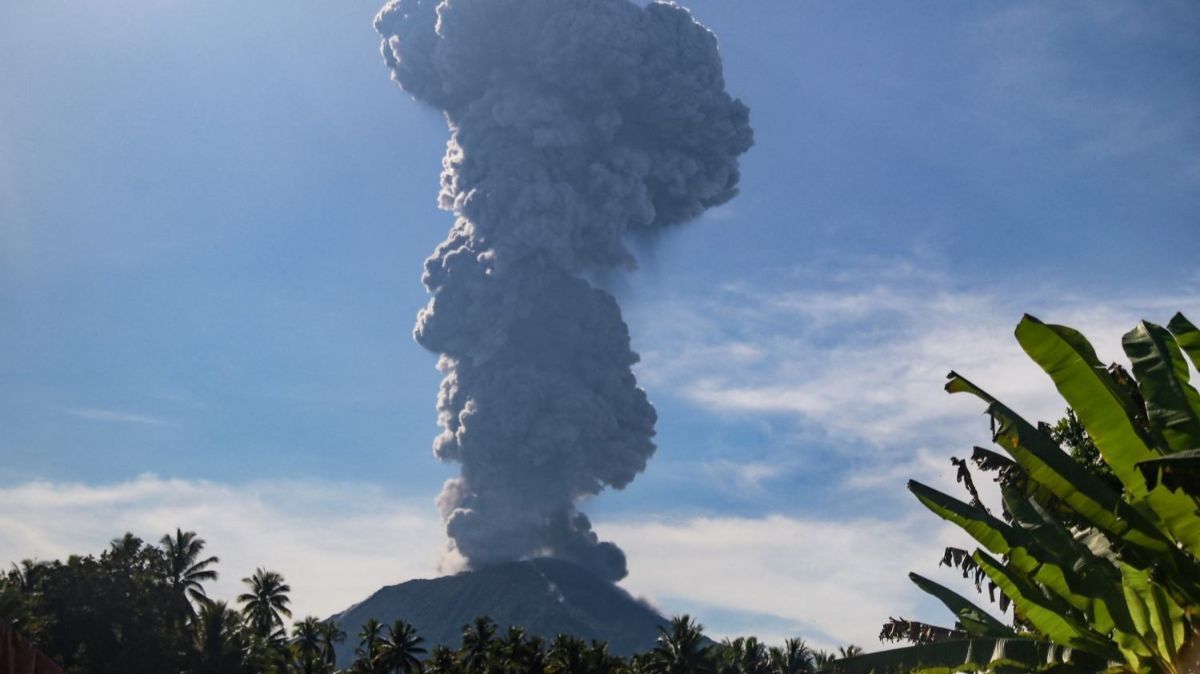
(544, 596)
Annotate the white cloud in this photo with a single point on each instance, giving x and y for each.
(742, 475)
(865, 361)
(333, 543)
(117, 416)
(836, 581)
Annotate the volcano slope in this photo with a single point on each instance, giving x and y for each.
(543, 596)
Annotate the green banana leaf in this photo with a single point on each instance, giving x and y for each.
(1109, 416)
(974, 620)
(1188, 337)
(1009, 474)
(1047, 619)
(992, 533)
(1173, 408)
(1158, 617)
(1045, 462)
(966, 655)
(1172, 405)
(1024, 554)
(1180, 470)
(1092, 578)
(1103, 409)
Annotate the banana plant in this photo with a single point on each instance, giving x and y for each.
(1101, 579)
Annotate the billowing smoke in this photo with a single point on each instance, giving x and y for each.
(572, 122)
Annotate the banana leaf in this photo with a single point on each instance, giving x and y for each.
(974, 620)
(1046, 618)
(1110, 416)
(1159, 619)
(967, 655)
(1188, 337)
(1172, 405)
(916, 632)
(1173, 408)
(1094, 573)
(1103, 409)
(1180, 470)
(1045, 462)
(1010, 475)
(992, 533)
(1041, 564)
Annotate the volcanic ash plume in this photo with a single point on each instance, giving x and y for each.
(571, 123)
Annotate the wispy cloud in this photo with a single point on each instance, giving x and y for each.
(863, 360)
(335, 543)
(743, 475)
(833, 582)
(116, 416)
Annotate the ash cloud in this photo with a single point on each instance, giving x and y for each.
(572, 123)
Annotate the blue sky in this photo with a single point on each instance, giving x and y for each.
(213, 217)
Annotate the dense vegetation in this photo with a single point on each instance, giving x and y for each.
(1096, 548)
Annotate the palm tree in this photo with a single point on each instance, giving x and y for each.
(534, 660)
(398, 653)
(369, 639)
(754, 657)
(185, 570)
(306, 638)
(266, 602)
(218, 635)
(822, 659)
(331, 635)
(18, 589)
(511, 650)
(598, 659)
(442, 661)
(476, 641)
(567, 656)
(848, 651)
(681, 650)
(794, 658)
(729, 656)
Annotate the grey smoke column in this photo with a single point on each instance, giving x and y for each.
(572, 122)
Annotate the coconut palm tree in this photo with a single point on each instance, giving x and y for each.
(822, 658)
(599, 661)
(752, 657)
(568, 655)
(218, 636)
(794, 658)
(681, 649)
(729, 656)
(476, 642)
(185, 571)
(398, 654)
(533, 656)
(370, 637)
(442, 661)
(331, 635)
(849, 651)
(266, 604)
(306, 639)
(510, 650)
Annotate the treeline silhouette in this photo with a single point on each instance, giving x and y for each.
(142, 608)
